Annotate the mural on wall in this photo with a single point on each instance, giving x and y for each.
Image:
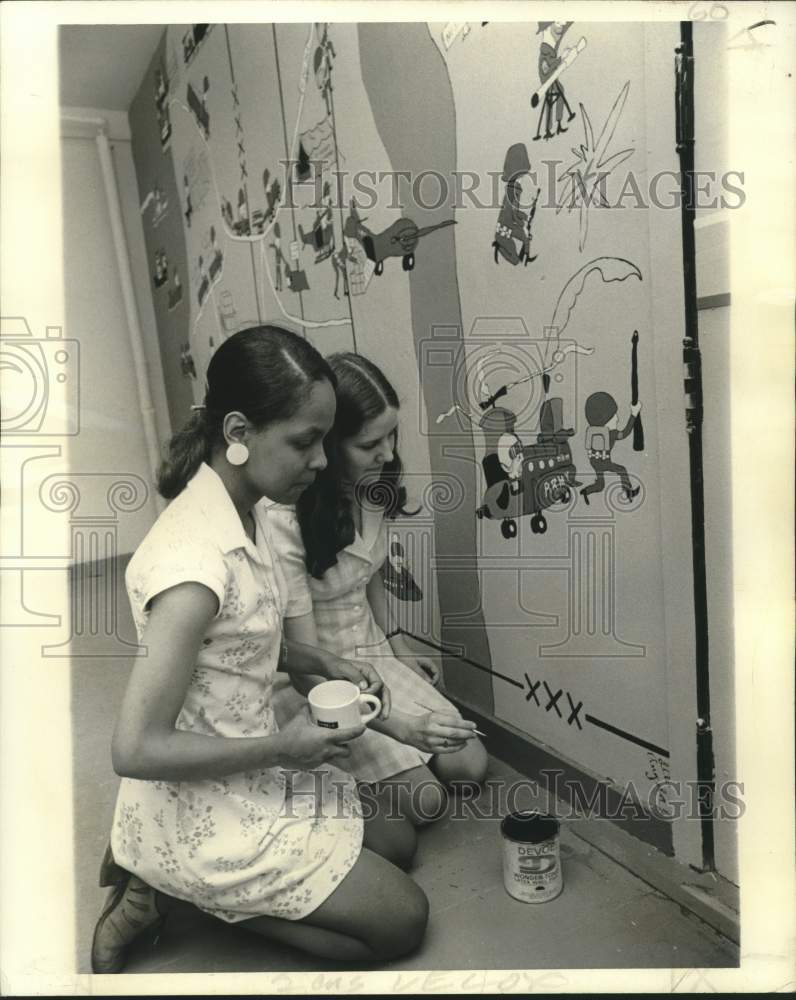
(638, 427)
(399, 239)
(160, 273)
(192, 39)
(550, 92)
(160, 206)
(162, 107)
(752, 38)
(342, 260)
(457, 29)
(513, 234)
(297, 279)
(187, 364)
(186, 191)
(523, 479)
(256, 219)
(351, 260)
(198, 106)
(583, 181)
(247, 170)
(609, 269)
(602, 433)
(526, 479)
(397, 576)
(454, 30)
(315, 260)
(321, 237)
(602, 417)
(316, 146)
(279, 257)
(269, 192)
(322, 62)
(209, 265)
(175, 292)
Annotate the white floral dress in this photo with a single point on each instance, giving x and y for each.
(346, 626)
(260, 842)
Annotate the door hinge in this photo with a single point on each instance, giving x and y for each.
(692, 385)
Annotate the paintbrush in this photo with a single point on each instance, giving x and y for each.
(429, 709)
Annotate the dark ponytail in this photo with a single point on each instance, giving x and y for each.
(265, 373)
(188, 448)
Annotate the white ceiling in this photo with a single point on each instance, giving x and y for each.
(102, 65)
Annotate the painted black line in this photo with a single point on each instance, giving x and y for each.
(288, 178)
(510, 680)
(243, 182)
(627, 736)
(464, 659)
(341, 210)
(254, 279)
(238, 117)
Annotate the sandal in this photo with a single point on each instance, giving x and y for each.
(131, 909)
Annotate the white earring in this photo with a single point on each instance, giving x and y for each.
(237, 453)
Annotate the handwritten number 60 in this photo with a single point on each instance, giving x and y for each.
(717, 12)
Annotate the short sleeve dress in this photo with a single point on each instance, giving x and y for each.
(258, 842)
(346, 626)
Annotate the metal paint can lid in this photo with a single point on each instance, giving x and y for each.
(529, 827)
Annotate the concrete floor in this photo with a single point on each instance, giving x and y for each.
(605, 918)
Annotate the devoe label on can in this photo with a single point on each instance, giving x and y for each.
(531, 857)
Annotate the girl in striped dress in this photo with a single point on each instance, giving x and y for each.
(332, 545)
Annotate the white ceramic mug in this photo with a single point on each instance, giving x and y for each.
(337, 705)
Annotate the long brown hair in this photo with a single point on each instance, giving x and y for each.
(324, 509)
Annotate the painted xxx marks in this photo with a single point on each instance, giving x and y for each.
(552, 702)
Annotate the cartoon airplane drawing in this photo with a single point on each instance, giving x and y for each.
(320, 237)
(398, 240)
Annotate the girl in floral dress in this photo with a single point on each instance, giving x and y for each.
(332, 547)
(219, 807)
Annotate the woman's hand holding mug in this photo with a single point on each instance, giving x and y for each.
(338, 705)
(362, 674)
(305, 745)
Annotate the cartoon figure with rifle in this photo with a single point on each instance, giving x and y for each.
(522, 479)
(602, 416)
(514, 225)
(525, 479)
(551, 65)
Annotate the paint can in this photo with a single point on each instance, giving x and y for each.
(531, 856)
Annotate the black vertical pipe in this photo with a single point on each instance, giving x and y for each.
(684, 97)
